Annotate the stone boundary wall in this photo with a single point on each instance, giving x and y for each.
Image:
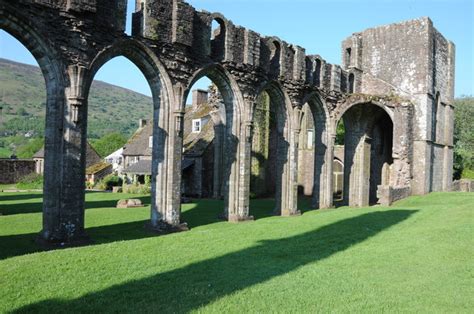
(463, 185)
(12, 170)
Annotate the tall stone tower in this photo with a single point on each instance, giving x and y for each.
(412, 60)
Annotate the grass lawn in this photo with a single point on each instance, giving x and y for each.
(416, 256)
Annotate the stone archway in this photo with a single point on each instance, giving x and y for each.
(368, 146)
(321, 151)
(282, 160)
(165, 213)
(232, 163)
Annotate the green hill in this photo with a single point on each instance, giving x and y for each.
(23, 95)
(112, 109)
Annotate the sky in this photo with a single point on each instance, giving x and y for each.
(317, 25)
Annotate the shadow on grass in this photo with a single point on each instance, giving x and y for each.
(199, 284)
(37, 207)
(207, 211)
(263, 207)
(21, 244)
(18, 197)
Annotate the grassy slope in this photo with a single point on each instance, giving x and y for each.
(414, 256)
(111, 108)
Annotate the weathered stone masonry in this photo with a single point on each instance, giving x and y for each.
(401, 73)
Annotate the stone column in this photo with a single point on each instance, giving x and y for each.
(360, 174)
(218, 152)
(173, 210)
(63, 207)
(160, 160)
(326, 189)
(356, 168)
(166, 167)
(240, 211)
(290, 201)
(282, 179)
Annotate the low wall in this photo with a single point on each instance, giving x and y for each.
(387, 194)
(464, 185)
(12, 170)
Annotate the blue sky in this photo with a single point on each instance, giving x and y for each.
(318, 26)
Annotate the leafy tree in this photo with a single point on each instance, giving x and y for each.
(340, 131)
(463, 136)
(109, 143)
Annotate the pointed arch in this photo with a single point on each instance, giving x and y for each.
(233, 143)
(161, 87)
(323, 152)
(368, 149)
(281, 153)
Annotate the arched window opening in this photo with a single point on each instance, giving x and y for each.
(309, 70)
(218, 39)
(317, 73)
(275, 57)
(348, 57)
(440, 115)
(434, 117)
(338, 179)
(290, 61)
(351, 83)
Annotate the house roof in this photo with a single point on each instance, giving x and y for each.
(138, 144)
(144, 166)
(98, 167)
(194, 144)
(40, 153)
(92, 157)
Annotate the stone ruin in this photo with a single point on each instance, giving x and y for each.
(393, 90)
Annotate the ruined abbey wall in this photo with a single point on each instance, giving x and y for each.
(402, 73)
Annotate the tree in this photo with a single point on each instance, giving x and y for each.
(340, 132)
(463, 136)
(109, 143)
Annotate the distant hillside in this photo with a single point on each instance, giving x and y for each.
(23, 95)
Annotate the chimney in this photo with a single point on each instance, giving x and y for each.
(142, 123)
(199, 97)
